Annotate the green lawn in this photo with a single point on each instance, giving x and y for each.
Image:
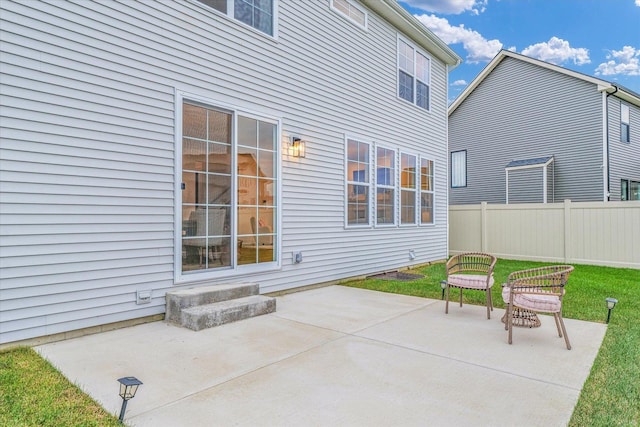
(33, 393)
(611, 394)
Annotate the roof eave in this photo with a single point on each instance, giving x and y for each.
(411, 27)
(602, 85)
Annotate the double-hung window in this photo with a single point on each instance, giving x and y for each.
(413, 74)
(351, 10)
(625, 134)
(229, 180)
(258, 14)
(408, 187)
(426, 191)
(459, 169)
(358, 182)
(385, 186)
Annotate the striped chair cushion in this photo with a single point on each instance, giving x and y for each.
(535, 302)
(469, 281)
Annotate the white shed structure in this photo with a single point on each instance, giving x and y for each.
(146, 147)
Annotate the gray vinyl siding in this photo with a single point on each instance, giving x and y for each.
(624, 161)
(87, 155)
(525, 186)
(523, 111)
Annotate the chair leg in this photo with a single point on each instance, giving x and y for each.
(460, 297)
(564, 331)
(446, 306)
(555, 317)
(489, 305)
(510, 322)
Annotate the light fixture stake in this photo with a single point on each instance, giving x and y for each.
(128, 389)
(611, 303)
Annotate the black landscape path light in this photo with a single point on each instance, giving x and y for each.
(443, 285)
(611, 303)
(128, 389)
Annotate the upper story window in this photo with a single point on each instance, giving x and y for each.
(351, 10)
(459, 169)
(414, 69)
(358, 182)
(624, 123)
(255, 13)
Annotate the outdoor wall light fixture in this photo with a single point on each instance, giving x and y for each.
(443, 285)
(128, 389)
(296, 147)
(611, 303)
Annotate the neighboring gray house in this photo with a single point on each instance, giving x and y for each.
(524, 125)
(149, 146)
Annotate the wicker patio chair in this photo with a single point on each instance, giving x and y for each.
(536, 290)
(472, 270)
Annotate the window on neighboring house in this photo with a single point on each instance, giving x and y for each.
(385, 186)
(358, 182)
(413, 74)
(624, 123)
(426, 191)
(408, 188)
(227, 197)
(459, 169)
(255, 13)
(351, 10)
(629, 190)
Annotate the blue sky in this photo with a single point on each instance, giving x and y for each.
(599, 38)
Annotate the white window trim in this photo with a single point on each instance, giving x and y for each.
(416, 190)
(415, 94)
(235, 269)
(352, 3)
(623, 122)
(466, 169)
(230, 16)
(396, 162)
(433, 191)
(370, 219)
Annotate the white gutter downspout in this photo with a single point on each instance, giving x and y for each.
(507, 185)
(605, 151)
(544, 184)
(605, 138)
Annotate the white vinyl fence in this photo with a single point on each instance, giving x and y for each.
(599, 233)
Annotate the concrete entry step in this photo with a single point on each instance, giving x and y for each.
(179, 300)
(219, 313)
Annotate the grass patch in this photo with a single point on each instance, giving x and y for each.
(611, 394)
(34, 393)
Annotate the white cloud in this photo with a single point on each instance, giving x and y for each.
(463, 82)
(478, 48)
(557, 51)
(638, 3)
(625, 61)
(450, 6)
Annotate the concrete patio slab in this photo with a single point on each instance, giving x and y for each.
(339, 356)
